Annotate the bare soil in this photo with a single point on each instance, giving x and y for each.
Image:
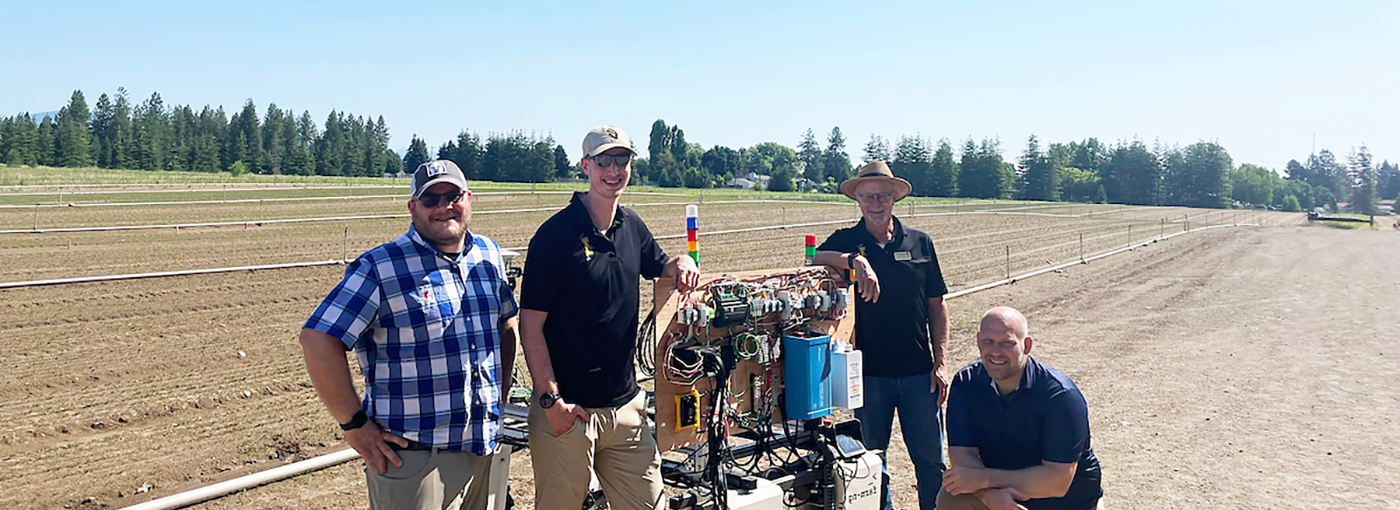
(1212, 362)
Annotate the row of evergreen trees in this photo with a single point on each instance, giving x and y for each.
(1198, 175)
(152, 136)
(509, 157)
(155, 137)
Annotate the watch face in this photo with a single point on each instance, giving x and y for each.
(547, 400)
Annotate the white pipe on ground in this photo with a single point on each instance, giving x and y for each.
(209, 492)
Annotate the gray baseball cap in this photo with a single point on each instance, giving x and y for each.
(606, 137)
(435, 171)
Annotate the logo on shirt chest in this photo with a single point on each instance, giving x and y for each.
(587, 250)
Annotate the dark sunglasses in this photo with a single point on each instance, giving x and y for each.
(611, 160)
(433, 199)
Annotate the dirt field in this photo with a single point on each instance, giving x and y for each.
(175, 383)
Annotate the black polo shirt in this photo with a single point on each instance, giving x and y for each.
(1046, 418)
(893, 332)
(587, 281)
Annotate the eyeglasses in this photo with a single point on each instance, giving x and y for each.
(433, 199)
(883, 198)
(612, 160)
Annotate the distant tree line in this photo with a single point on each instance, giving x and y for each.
(509, 157)
(153, 136)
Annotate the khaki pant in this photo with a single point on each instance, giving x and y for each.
(947, 501)
(431, 480)
(616, 442)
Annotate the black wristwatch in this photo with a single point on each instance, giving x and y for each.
(356, 421)
(547, 400)
(851, 260)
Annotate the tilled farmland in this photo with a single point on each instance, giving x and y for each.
(122, 391)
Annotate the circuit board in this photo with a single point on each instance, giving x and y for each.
(719, 349)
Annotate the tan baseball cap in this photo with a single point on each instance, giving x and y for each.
(606, 137)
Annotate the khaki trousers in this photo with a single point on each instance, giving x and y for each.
(617, 443)
(947, 501)
(431, 480)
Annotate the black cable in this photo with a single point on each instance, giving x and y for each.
(646, 345)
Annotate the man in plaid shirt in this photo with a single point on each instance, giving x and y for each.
(433, 322)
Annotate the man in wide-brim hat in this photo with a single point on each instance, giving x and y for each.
(901, 324)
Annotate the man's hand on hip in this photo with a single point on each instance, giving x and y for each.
(562, 416)
(373, 445)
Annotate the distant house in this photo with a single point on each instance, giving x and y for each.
(739, 182)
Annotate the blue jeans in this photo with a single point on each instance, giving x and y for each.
(920, 420)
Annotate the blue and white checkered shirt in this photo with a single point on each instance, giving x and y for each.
(427, 330)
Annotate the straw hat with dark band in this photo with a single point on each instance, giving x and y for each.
(876, 171)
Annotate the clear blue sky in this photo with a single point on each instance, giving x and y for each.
(1262, 78)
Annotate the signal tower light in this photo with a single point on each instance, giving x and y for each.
(811, 244)
(692, 232)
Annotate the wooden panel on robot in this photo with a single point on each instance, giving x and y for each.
(667, 302)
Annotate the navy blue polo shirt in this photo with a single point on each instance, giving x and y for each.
(894, 331)
(1046, 418)
(587, 281)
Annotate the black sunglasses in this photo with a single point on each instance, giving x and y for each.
(433, 199)
(610, 160)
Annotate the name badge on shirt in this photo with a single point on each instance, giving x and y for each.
(902, 256)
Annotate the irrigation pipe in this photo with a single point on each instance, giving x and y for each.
(198, 202)
(188, 272)
(90, 279)
(206, 493)
(246, 223)
(1087, 260)
(209, 492)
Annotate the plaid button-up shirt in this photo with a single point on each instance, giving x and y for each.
(427, 330)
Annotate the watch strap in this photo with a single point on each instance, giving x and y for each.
(357, 421)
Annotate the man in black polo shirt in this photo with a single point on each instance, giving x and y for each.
(1018, 431)
(901, 325)
(578, 322)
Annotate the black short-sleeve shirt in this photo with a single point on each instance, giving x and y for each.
(1046, 418)
(893, 332)
(587, 281)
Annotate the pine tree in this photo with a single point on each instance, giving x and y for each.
(1137, 173)
(123, 132)
(943, 181)
(876, 148)
(102, 125)
(835, 162)
(72, 136)
(274, 143)
(44, 145)
(562, 168)
(913, 161)
(204, 145)
(21, 141)
(151, 132)
(330, 147)
(417, 154)
(810, 154)
(1362, 174)
(982, 173)
(1198, 176)
(1040, 176)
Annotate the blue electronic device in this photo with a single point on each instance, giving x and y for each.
(806, 375)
